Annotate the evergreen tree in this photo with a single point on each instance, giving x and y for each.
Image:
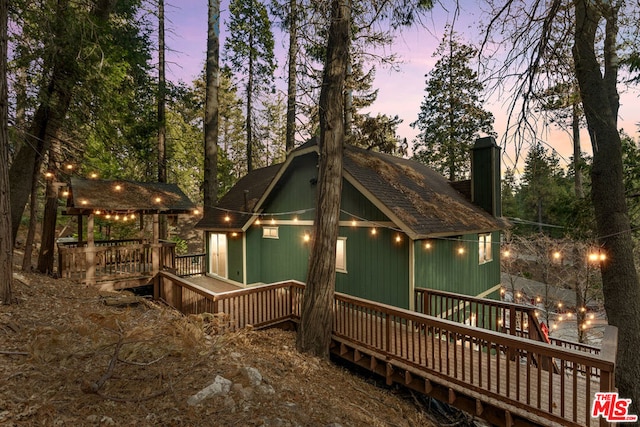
(249, 51)
(451, 116)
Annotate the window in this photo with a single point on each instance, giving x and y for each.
(270, 232)
(341, 255)
(485, 254)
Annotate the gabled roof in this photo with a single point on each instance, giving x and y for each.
(88, 195)
(242, 198)
(416, 198)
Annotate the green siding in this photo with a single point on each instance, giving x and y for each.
(234, 263)
(442, 268)
(295, 191)
(286, 257)
(377, 266)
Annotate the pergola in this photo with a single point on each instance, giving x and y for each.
(129, 262)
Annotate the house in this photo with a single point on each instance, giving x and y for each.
(402, 226)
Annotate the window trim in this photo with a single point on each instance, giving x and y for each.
(266, 232)
(343, 267)
(485, 252)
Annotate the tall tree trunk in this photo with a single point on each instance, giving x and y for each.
(33, 221)
(50, 215)
(211, 108)
(6, 241)
(601, 102)
(314, 334)
(162, 128)
(249, 107)
(292, 78)
(577, 153)
(162, 123)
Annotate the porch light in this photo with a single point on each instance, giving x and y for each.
(306, 237)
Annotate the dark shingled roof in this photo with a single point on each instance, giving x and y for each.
(88, 195)
(241, 198)
(421, 199)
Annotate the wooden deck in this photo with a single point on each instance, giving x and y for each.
(505, 379)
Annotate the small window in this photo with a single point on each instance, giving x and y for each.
(270, 232)
(485, 254)
(341, 255)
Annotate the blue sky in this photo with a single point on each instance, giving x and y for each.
(400, 92)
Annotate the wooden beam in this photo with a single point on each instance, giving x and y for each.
(389, 374)
(508, 419)
(479, 407)
(408, 377)
(452, 396)
(428, 387)
(356, 355)
(373, 364)
(343, 349)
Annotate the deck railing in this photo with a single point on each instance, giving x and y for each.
(486, 363)
(478, 363)
(259, 306)
(113, 259)
(190, 265)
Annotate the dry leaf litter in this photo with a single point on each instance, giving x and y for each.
(71, 356)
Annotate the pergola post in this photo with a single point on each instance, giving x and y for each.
(155, 245)
(91, 252)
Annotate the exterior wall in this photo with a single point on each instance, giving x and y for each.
(234, 253)
(441, 267)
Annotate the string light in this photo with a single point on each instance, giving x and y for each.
(118, 187)
(273, 221)
(69, 167)
(295, 219)
(196, 211)
(460, 250)
(427, 245)
(306, 237)
(158, 199)
(48, 175)
(398, 239)
(374, 231)
(556, 255)
(227, 218)
(65, 193)
(93, 175)
(97, 212)
(353, 222)
(258, 221)
(234, 234)
(506, 253)
(108, 216)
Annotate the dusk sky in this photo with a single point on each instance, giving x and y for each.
(400, 92)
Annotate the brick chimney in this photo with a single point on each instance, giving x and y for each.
(485, 175)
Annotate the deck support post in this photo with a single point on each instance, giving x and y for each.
(408, 377)
(452, 396)
(373, 364)
(389, 374)
(428, 387)
(508, 419)
(91, 252)
(356, 355)
(479, 407)
(155, 246)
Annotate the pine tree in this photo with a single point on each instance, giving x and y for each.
(451, 116)
(249, 50)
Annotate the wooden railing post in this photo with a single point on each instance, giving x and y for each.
(91, 253)
(426, 303)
